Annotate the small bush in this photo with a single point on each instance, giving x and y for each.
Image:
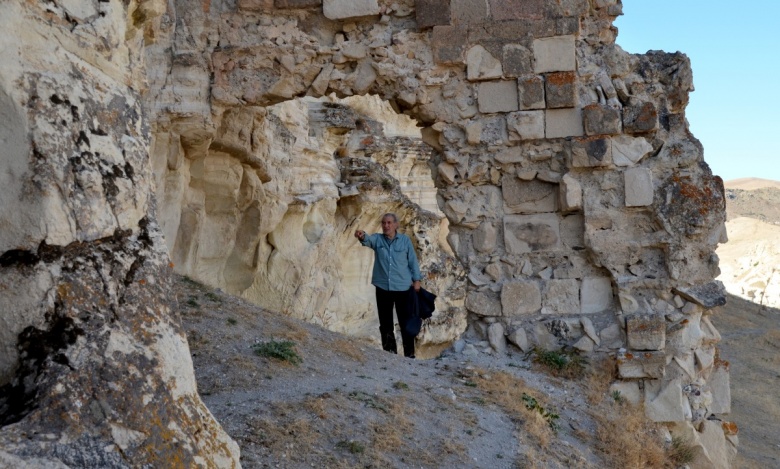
(617, 396)
(213, 297)
(531, 403)
(354, 447)
(280, 349)
(400, 385)
(566, 364)
(193, 302)
(232, 321)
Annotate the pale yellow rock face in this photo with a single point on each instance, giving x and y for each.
(89, 352)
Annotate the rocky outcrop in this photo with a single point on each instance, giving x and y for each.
(577, 200)
(95, 372)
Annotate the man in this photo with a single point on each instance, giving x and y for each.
(396, 272)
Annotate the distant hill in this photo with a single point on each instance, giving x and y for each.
(749, 184)
(753, 198)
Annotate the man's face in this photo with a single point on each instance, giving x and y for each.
(389, 226)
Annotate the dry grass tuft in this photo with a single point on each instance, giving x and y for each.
(626, 438)
(507, 391)
(601, 374)
(350, 349)
(561, 363)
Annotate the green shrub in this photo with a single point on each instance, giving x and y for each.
(568, 364)
(279, 349)
(532, 404)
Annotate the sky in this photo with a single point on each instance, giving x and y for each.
(734, 49)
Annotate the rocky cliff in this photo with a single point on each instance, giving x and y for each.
(573, 206)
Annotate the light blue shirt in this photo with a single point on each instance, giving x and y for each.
(395, 263)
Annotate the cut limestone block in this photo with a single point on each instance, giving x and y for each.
(570, 194)
(561, 123)
(497, 96)
(468, 11)
(525, 125)
(646, 331)
(561, 296)
(483, 304)
(530, 233)
(340, 9)
(595, 295)
(641, 364)
(554, 54)
(560, 89)
(517, 60)
(449, 44)
(520, 298)
(481, 65)
(640, 117)
(591, 152)
(431, 13)
(664, 402)
(600, 119)
(533, 196)
(628, 150)
(639, 187)
(530, 90)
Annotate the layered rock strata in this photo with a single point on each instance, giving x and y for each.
(578, 201)
(94, 370)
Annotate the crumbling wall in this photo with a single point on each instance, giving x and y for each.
(94, 370)
(578, 201)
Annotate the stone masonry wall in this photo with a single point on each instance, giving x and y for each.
(578, 202)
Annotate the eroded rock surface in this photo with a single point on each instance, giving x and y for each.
(94, 370)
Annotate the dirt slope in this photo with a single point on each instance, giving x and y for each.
(348, 404)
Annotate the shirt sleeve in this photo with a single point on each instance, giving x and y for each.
(414, 267)
(369, 241)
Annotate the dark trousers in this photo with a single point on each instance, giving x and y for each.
(384, 303)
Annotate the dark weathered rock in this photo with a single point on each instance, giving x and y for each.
(600, 119)
(432, 13)
(640, 117)
(709, 295)
(561, 89)
(449, 44)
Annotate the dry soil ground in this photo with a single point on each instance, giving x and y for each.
(348, 404)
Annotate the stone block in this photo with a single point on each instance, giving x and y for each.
(503, 10)
(484, 237)
(589, 329)
(545, 339)
(646, 331)
(256, 5)
(530, 92)
(432, 13)
(612, 337)
(517, 60)
(664, 402)
(529, 196)
(640, 117)
(474, 133)
(481, 65)
(641, 364)
(525, 125)
(520, 339)
(561, 296)
(554, 54)
(591, 152)
(600, 119)
(297, 3)
(716, 452)
(720, 385)
(570, 194)
(531, 233)
(595, 295)
(573, 232)
(448, 44)
(494, 130)
(468, 11)
(496, 337)
(562, 123)
(497, 96)
(639, 187)
(341, 9)
(584, 344)
(628, 390)
(520, 298)
(483, 303)
(560, 90)
(628, 150)
(708, 295)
